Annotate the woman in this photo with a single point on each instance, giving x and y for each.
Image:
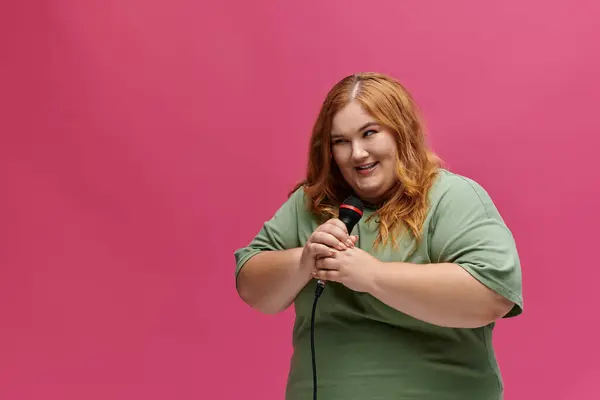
(413, 292)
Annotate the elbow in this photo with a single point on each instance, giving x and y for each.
(257, 301)
(259, 304)
(501, 307)
(490, 310)
(263, 306)
(269, 310)
(498, 307)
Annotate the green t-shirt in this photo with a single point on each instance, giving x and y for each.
(368, 350)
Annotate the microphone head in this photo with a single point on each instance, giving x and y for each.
(351, 211)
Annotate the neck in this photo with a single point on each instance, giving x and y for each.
(378, 202)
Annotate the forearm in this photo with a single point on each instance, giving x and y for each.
(441, 294)
(271, 280)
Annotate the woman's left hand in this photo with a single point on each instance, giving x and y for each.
(353, 268)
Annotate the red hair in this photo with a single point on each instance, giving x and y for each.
(386, 100)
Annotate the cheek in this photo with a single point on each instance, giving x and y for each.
(389, 153)
(391, 156)
(387, 146)
(340, 157)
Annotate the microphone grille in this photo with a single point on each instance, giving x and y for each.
(355, 202)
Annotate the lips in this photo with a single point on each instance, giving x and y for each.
(366, 167)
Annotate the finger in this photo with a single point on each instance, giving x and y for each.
(337, 223)
(326, 275)
(327, 263)
(327, 239)
(336, 226)
(351, 242)
(317, 250)
(335, 230)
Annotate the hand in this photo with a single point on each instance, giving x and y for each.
(324, 241)
(353, 268)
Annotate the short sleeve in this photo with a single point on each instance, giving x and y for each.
(467, 230)
(278, 233)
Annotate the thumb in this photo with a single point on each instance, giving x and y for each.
(354, 239)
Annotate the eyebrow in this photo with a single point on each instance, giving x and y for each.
(368, 124)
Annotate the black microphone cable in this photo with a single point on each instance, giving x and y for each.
(318, 292)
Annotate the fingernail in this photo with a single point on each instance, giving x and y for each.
(341, 246)
(349, 243)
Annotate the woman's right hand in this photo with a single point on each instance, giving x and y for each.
(328, 238)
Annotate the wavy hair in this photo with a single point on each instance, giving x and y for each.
(386, 100)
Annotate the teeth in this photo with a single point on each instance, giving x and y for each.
(366, 166)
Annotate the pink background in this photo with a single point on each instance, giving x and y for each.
(142, 142)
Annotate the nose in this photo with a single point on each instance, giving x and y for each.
(358, 151)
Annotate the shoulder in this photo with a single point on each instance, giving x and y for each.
(299, 217)
(298, 199)
(298, 204)
(455, 191)
(455, 185)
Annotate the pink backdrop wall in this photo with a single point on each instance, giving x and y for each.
(142, 142)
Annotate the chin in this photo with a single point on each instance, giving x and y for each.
(373, 194)
(368, 194)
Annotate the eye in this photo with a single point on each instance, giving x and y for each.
(337, 141)
(369, 132)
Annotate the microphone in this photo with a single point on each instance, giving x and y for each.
(351, 211)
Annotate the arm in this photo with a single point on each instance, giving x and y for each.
(474, 276)
(443, 294)
(268, 273)
(275, 266)
(271, 280)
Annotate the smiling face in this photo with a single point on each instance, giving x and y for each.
(365, 152)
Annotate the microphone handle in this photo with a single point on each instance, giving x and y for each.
(347, 222)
